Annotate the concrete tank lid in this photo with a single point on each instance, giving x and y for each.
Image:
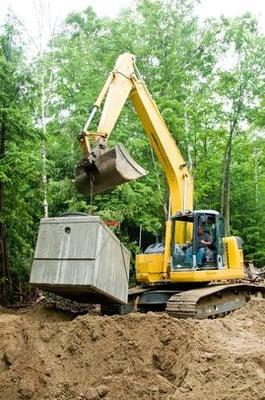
(72, 218)
(81, 219)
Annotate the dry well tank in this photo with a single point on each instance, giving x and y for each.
(80, 257)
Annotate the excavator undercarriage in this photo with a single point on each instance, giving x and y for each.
(212, 301)
(203, 302)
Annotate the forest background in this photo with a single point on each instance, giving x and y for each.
(208, 79)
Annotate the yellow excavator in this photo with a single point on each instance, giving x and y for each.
(172, 277)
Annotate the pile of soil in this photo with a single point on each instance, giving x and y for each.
(50, 355)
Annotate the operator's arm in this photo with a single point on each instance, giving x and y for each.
(207, 240)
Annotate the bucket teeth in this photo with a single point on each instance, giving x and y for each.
(110, 168)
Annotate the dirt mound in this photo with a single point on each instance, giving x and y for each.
(228, 357)
(46, 355)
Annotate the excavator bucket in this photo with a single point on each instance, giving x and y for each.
(107, 170)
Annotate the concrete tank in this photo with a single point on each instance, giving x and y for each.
(80, 257)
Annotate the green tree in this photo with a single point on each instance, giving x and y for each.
(19, 169)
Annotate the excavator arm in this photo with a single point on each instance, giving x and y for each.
(102, 169)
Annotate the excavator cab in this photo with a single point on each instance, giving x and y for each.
(190, 254)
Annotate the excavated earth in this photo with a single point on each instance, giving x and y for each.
(45, 354)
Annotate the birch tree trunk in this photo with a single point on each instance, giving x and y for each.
(42, 13)
(43, 151)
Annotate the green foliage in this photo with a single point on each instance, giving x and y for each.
(20, 164)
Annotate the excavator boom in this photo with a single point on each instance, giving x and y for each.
(103, 168)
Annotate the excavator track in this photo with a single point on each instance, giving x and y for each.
(212, 301)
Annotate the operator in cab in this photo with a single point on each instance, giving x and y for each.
(203, 241)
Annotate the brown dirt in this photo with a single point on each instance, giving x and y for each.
(47, 355)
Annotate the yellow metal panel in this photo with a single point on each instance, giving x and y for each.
(167, 254)
(206, 275)
(149, 267)
(234, 255)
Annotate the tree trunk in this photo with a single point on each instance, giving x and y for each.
(225, 195)
(187, 140)
(256, 177)
(43, 151)
(5, 279)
